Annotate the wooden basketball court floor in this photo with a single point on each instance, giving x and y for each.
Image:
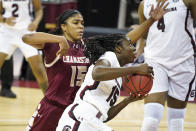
(15, 113)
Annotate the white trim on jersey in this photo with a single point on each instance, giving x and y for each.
(52, 63)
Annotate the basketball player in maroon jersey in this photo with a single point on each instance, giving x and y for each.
(66, 67)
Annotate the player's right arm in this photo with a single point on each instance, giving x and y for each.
(114, 110)
(39, 39)
(103, 71)
(142, 41)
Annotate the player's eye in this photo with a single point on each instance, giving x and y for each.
(75, 22)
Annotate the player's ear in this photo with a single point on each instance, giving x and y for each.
(63, 27)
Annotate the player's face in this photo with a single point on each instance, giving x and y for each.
(127, 52)
(74, 28)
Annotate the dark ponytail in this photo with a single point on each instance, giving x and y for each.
(96, 46)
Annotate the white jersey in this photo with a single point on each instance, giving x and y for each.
(21, 9)
(170, 40)
(101, 94)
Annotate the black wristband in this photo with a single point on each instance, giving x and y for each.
(4, 19)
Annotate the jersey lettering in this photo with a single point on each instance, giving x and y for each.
(78, 74)
(161, 24)
(15, 10)
(113, 96)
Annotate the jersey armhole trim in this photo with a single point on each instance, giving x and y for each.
(52, 63)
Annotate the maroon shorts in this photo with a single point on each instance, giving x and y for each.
(46, 117)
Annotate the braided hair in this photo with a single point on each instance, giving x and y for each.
(96, 46)
(62, 20)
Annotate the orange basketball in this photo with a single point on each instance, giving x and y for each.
(137, 84)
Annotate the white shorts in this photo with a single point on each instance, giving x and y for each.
(179, 81)
(82, 117)
(10, 39)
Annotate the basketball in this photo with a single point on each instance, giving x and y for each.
(137, 84)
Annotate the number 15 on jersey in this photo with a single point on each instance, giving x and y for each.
(78, 75)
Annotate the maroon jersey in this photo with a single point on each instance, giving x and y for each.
(66, 74)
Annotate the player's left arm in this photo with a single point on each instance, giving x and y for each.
(155, 14)
(38, 15)
(114, 110)
(191, 4)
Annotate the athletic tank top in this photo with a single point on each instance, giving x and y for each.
(170, 40)
(21, 9)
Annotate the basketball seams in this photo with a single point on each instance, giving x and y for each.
(140, 83)
(133, 86)
(127, 88)
(146, 84)
(126, 79)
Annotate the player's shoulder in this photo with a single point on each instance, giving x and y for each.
(109, 54)
(111, 57)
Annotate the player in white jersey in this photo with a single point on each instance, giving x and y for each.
(94, 102)
(169, 49)
(16, 21)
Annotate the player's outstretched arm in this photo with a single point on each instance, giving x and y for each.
(142, 42)
(39, 39)
(103, 71)
(156, 14)
(117, 108)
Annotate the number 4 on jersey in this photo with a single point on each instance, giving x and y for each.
(161, 24)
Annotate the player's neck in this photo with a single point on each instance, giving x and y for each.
(68, 38)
